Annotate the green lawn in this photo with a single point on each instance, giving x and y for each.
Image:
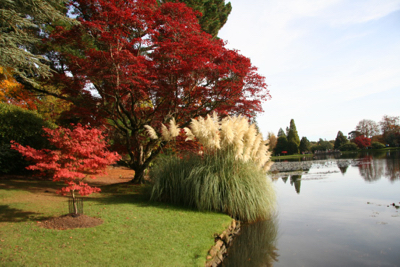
(135, 232)
(295, 156)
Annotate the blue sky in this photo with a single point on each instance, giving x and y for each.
(328, 63)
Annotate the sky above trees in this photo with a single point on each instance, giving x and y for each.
(328, 64)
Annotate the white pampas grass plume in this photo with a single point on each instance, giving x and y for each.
(206, 131)
(240, 125)
(166, 135)
(212, 129)
(173, 128)
(231, 133)
(189, 135)
(258, 142)
(227, 134)
(262, 155)
(250, 141)
(151, 132)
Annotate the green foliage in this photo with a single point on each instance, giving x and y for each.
(292, 148)
(23, 126)
(348, 147)
(326, 145)
(393, 139)
(281, 145)
(214, 182)
(340, 140)
(377, 145)
(293, 136)
(317, 148)
(21, 22)
(281, 133)
(304, 144)
(214, 13)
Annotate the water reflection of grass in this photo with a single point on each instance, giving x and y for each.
(255, 245)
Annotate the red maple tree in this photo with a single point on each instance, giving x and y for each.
(136, 63)
(80, 153)
(362, 141)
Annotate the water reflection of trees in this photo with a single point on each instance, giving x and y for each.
(372, 169)
(296, 181)
(343, 169)
(254, 246)
(392, 170)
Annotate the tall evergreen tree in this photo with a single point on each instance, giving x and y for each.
(340, 140)
(293, 136)
(214, 13)
(21, 23)
(281, 133)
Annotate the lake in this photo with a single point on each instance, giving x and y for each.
(329, 215)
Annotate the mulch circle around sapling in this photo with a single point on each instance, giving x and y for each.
(70, 221)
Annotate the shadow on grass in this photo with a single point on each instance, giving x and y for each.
(139, 195)
(30, 185)
(8, 214)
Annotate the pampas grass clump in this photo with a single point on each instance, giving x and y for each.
(229, 176)
(214, 182)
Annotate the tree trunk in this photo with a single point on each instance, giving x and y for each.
(139, 177)
(74, 203)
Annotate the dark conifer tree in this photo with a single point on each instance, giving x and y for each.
(340, 140)
(214, 13)
(281, 145)
(304, 144)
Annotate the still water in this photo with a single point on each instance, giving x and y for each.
(330, 215)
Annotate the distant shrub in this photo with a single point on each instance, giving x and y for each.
(292, 148)
(377, 145)
(23, 126)
(348, 147)
(317, 148)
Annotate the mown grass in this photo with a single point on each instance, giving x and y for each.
(295, 156)
(135, 231)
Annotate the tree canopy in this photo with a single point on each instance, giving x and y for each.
(390, 126)
(368, 128)
(340, 140)
(137, 63)
(304, 144)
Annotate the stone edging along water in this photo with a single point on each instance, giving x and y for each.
(218, 252)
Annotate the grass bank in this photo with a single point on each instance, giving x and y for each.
(295, 156)
(135, 232)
